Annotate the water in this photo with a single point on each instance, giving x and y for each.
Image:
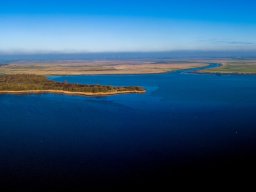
(183, 120)
(144, 56)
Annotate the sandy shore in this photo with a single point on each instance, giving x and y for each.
(70, 93)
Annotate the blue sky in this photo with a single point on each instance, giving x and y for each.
(120, 26)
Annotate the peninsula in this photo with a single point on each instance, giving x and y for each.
(36, 84)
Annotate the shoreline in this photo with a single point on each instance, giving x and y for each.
(70, 92)
(223, 72)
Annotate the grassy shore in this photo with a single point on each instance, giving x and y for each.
(234, 67)
(36, 84)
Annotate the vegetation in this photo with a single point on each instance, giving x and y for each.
(239, 67)
(25, 82)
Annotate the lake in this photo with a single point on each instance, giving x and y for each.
(185, 122)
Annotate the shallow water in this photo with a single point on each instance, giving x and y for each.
(182, 118)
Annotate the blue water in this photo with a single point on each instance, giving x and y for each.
(183, 117)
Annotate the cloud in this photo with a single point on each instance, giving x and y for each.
(228, 42)
(235, 42)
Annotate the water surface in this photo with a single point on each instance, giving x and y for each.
(183, 118)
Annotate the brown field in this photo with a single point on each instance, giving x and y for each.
(96, 67)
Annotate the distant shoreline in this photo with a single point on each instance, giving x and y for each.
(232, 68)
(70, 92)
(224, 73)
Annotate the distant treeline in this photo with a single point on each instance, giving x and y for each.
(25, 82)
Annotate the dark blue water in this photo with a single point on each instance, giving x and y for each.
(184, 119)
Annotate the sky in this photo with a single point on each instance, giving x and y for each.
(44, 26)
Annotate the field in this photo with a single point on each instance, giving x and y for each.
(96, 67)
(235, 67)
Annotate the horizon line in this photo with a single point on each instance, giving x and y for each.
(122, 52)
